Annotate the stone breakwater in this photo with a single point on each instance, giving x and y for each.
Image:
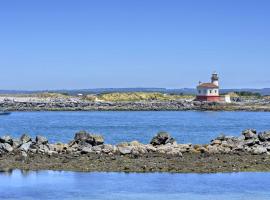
(88, 152)
(75, 103)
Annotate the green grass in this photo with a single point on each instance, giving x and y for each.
(141, 96)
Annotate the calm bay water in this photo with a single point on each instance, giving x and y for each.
(194, 127)
(117, 186)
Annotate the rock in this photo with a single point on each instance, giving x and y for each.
(125, 150)
(59, 147)
(200, 148)
(221, 137)
(251, 142)
(139, 149)
(25, 138)
(86, 150)
(249, 134)
(259, 150)
(184, 147)
(216, 142)
(81, 136)
(162, 138)
(82, 144)
(25, 147)
(96, 149)
(150, 148)
(175, 153)
(6, 139)
(16, 144)
(92, 139)
(97, 140)
(43, 148)
(265, 136)
(107, 148)
(213, 149)
(135, 143)
(5, 147)
(24, 155)
(41, 140)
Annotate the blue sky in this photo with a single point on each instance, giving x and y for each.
(64, 44)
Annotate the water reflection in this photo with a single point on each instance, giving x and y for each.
(24, 185)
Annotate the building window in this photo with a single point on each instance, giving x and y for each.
(210, 91)
(199, 91)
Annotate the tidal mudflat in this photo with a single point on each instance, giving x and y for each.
(88, 152)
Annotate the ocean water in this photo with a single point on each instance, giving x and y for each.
(186, 127)
(52, 185)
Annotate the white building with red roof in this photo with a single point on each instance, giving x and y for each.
(209, 91)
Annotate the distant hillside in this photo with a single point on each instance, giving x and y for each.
(185, 91)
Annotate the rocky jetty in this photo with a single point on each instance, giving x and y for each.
(88, 152)
(77, 104)
(163, 143)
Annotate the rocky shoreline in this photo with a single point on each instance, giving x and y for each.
(88, 152)
(78, 104)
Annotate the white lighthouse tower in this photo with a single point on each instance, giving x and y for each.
(214, 79)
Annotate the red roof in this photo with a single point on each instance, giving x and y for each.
(207, 85)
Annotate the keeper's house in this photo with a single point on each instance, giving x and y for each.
(209, 91)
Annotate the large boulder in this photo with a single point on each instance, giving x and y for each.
(41, 140)
(249, 134)
(92, 139)
(81, 136)
(5, 147)
(162, 138)
(25, 138)
(259, 150)
(125, 149)
(265, 136)
(6, 139)
(26, 146)
(86, 150)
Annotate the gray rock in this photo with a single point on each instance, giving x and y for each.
(213, 149)
(96, 149)
(81, 136)
(16, 143)
(24, 155)
(259, 150)
(216, 142)
(162, 138)
(221, 137)
(92, 139)
(43, 148)
(125, 149)
(86, 150)
(107, 148)
(26, 146)
(5, 147)
(251, 142)
(265, 136)
(6, 139)
(41, 140)
(249, 134)
(25, 138)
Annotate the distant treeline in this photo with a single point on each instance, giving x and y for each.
(247, 93)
